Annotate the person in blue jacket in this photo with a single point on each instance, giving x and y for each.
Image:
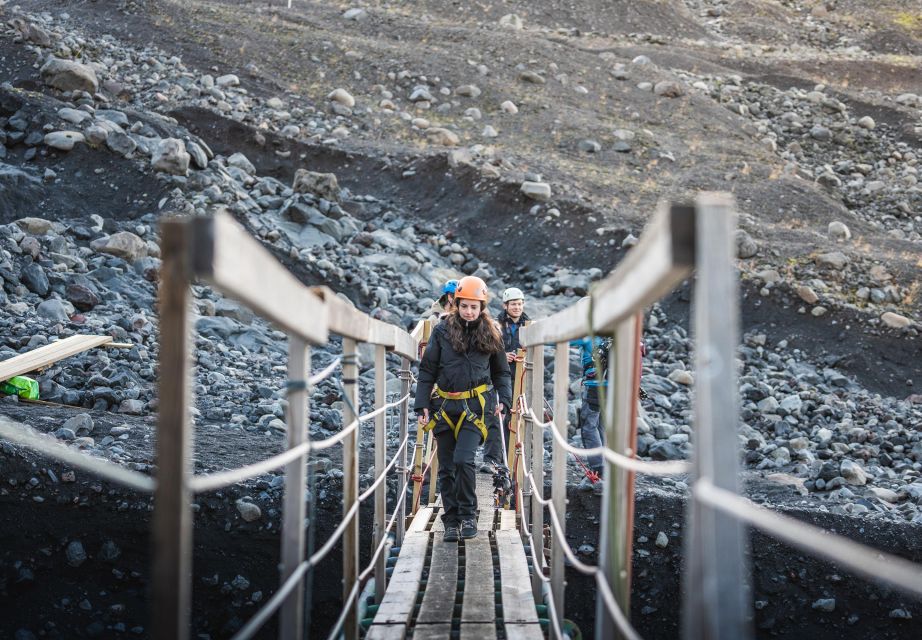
(590, 425)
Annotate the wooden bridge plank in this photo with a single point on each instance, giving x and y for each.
(420, 520)
(515, 580)
(478, 631)
(403, 589)
(507, 520)
(49, 354)
(386, 632)
(442, 586)
(518, 631)
(479, 604)
(432, 631)
(485, 502)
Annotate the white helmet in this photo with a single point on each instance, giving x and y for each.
(512, 293)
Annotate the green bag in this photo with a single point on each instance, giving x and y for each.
(21, 386)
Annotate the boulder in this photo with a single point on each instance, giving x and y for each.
(442, 136)
(746, 247)
(852, 472)
(35, 226)
(540, 191)
(838, 231)
(324, 185)
(895, 320)
(669, 89)
(68, 75)
(170, 156)
(123, 244)
(835, 260)
(63, 140)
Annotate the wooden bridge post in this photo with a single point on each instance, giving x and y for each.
(716, 605)
(616, 539)
(419, 458)
(559, 473)
(516, 428)
(536, 402)
(523, 497)
(350, 485)
(291, 623)
(171, 573)
(404, 430)
(380, 464)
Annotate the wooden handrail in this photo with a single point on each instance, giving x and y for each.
(223, 253)
(661, 259)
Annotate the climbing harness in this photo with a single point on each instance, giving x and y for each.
(471, 416)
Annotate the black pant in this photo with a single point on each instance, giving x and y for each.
(457, 473)
(493, 447)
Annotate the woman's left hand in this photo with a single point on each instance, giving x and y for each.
(500, 409)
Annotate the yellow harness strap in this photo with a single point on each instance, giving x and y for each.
(480, 423)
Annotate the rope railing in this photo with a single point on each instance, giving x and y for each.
(211, 481)
(667, 468)
(383, 475)
(97, 466)
(608, 597)
(875, 565)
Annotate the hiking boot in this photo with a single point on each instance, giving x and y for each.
(451, 533)
(588, 485)
(468, 529)
(487, 467)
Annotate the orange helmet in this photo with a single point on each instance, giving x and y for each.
(471, 288)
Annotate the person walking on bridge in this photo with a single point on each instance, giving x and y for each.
(465, 366)
(510, 320)
(442, 307)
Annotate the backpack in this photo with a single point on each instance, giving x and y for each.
(600, 355)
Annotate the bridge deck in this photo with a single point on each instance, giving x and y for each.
(477, 588)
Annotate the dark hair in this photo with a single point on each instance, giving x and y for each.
(485, 336)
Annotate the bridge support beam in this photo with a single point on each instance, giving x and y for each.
(559, 476)
(291, 623)
(716, 604)
(380, 464)
(536, 464)
(350, 486)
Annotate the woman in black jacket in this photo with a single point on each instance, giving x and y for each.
(465, 365)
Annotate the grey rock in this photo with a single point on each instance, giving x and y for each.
(131, 407)
(76, 554)
(835, 260)
(53, 310)
(82, 297)
(666, 450)
(109, 552)
(121, 143)
(81, 424)
(825, 604)
(68, 75)
(197, 154)
(324, 185)
(170, 156)
(241, 162)
(63, 140)
(853, 473)
(746, 247)
(35, 279)
(123, 244)
(820, 133)
(669, 89)
(248, 511)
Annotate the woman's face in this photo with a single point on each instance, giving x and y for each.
(469, 310)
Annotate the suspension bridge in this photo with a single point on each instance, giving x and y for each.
(509, 581)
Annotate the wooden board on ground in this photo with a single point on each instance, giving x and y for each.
(432, 631)
(403, 588)
(420, 520)
(437, 525)
(507, 520)
(442, 586)
(515, 581)
(479, 604)
(518, 631)
(47, 355)
(478, 631)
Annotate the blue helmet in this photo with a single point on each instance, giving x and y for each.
(450, 287)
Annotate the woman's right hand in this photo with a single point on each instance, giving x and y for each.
(423, 417)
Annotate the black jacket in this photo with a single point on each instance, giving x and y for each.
(510, 330)
(454, 371)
